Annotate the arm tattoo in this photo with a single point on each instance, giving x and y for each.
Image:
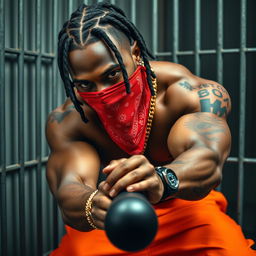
(59, 116)
(187, 85)
(205, 126)
(218, 104)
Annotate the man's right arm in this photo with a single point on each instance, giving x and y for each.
(72, 173)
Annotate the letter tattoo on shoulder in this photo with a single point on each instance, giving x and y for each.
(206, 126)
(213, 99)
(59, 116)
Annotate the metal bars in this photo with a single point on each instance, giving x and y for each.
(220, 41)
(203, 52)
(3, 213)
(29, 172)
(197, 36)
(29, 53)
(21, 124)
(175, 14)
(54, 105)
(38, 129)
(219, 51)
(242, 113)
(133, 11)
(155, 26)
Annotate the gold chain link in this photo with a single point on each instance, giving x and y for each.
(150, 113)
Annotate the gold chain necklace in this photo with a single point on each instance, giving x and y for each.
(150, 113)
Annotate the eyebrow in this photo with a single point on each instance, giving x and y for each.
(103, 74)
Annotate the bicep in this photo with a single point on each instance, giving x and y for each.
(204, 130)
(75, 163)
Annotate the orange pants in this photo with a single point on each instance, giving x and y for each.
(186, 228)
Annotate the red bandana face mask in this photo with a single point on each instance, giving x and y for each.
(123, 115)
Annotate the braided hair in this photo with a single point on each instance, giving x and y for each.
(88, 24)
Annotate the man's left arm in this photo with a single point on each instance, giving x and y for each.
(200, 143)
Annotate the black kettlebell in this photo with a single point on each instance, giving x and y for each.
(131, 222)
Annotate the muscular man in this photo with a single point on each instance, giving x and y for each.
(126, 123)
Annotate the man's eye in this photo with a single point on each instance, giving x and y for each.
(84, 86)
(113, 73)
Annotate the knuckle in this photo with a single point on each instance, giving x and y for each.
(100, 186)
(100, 200)
(113, 162)
(93, 211)
(151, 167)
(117, 161)
(152, 171)
(110, 180)
(135, 174)
(97, 200)
(124, 166)
(138, 157)
(155, 182)
(141, 157)
(119, 186)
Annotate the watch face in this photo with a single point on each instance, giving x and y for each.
(172, 179)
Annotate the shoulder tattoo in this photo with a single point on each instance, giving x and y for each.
(59, 116)
(213, 98)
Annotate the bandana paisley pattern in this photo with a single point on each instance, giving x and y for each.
(124, 116)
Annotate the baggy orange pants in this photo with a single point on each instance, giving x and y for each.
(186, 228)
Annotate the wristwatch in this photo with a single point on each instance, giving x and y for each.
(170, 181)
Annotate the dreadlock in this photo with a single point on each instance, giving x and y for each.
(86, 24)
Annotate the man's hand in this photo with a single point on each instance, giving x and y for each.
(133, 174)
(100, 204)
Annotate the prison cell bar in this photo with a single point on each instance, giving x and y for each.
(203, 52)
(3, 226)
(155, 27)
(219, 49)
(54, 104)
(175, 47)
(242, 113)
(38, 129)
(133, 11)
(220, 41)
(197, 36)
(22, 227)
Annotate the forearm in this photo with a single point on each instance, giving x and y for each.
(72, 199)
(198, 170)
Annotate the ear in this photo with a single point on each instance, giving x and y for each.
(136, 54)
